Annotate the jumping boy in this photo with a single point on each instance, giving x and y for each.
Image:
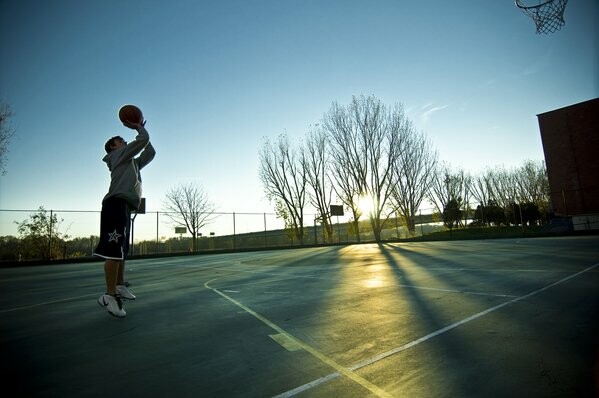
(124, 195)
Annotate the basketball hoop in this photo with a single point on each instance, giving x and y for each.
(548, 15)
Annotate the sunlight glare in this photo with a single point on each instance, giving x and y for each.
(365, 205)
(373, 282)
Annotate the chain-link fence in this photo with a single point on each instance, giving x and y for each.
(74, 233)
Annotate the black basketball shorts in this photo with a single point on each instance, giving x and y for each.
(115, 222)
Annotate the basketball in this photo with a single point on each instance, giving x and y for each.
(131, 114)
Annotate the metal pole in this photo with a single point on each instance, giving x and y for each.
(521, 220)
(50, 238)
(482, 214)
(234, 235)
(132, 233)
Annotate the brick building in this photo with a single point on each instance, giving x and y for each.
(570, 137)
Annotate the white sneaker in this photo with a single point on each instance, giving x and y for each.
(112, 304)
(124, 292)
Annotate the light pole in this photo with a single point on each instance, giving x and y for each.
(520, 210)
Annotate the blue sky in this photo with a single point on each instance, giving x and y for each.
(215, 77)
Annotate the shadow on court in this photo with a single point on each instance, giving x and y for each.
(503, 318)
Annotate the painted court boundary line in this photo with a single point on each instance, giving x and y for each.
(370, 361)
(314, 352)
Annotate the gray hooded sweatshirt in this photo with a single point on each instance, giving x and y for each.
(125, 179)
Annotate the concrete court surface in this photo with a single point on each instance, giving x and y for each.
(491, 318)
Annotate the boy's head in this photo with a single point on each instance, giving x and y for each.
(114, 143)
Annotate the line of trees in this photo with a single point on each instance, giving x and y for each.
(503, 196)
(361, 153)
(369, 152)
(40, 237)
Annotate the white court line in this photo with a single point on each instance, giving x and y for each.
(429, 336)
(216, 265)
(497, 270)
(306, 347)
(287, 276)
(83, 296)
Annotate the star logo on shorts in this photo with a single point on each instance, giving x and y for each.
(113, 236)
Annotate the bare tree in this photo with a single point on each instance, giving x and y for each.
(364, 149)
(189, 205)
(508, 187)
(480, 187)
(317, 161)
(451, 185)
(413, 176)
(499, 187)
(525, 184)
(284, 178)
(443, 187)
(503, 187)
(467, 181)
(533, 183)
(6, 133)
(481, 192)
(347, 190)
(348, 162)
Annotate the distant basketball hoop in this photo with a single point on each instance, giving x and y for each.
(140, 210)
(336, 210)
(142, 207)
(548, 16)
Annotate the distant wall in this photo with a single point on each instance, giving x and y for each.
(570, 139)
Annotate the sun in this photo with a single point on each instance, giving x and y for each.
(365, 205)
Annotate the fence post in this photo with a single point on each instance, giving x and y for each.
(132, 232)
(520, 211)
(265, 233)
(482, 214)
(50, 238)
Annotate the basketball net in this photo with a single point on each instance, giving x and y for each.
(548, 16)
